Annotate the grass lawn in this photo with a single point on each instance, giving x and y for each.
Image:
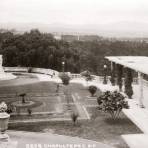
(100, 128)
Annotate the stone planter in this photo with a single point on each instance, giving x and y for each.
(4, 119)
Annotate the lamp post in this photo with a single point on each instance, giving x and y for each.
(63, 66)
(105, 74)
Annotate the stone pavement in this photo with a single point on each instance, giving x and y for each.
(138, 115)
(48, 140)
(9, 144)
(136, 140)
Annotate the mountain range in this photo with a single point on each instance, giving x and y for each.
(117, 29)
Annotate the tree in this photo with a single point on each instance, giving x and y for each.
(37, 49)
(119, 76)
(112, 79)
(128, 83)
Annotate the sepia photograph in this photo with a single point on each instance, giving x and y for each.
(73, 74)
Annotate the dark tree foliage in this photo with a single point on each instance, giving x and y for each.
(36, 49)
(128, 83)
(119, 76)
(112, 79)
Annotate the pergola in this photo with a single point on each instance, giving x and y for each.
(136, 63)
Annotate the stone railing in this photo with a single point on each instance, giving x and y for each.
(96, 78)
(73, 75)
(56, 73)
(101, 78)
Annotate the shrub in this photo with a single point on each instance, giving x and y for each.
(30, 69)
(3, 107)
(92, 89)
(87, 75)
(89, 78)
(112, 103)
(65, 78)
(9, 109)
(29, 111)
(74, 117)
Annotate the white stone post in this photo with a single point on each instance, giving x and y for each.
(1, 67)
(140, 79)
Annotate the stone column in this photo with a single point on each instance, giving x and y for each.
(140, 79)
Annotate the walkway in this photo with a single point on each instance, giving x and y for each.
(138, 115)
(48, 140)
(136, 140)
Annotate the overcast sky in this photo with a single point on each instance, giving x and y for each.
(73, 11)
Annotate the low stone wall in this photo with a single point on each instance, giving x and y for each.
(15, 69)
(45, 71)
(32, 70)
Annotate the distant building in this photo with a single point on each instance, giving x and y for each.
(57, 37)
(69, 38)
(90, 38)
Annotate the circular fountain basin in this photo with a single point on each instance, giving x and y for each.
(20, 104)
(7, 76)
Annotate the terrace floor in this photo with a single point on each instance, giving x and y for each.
(96, 126)
(44, 140)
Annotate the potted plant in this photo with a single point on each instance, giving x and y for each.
(4, 118)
